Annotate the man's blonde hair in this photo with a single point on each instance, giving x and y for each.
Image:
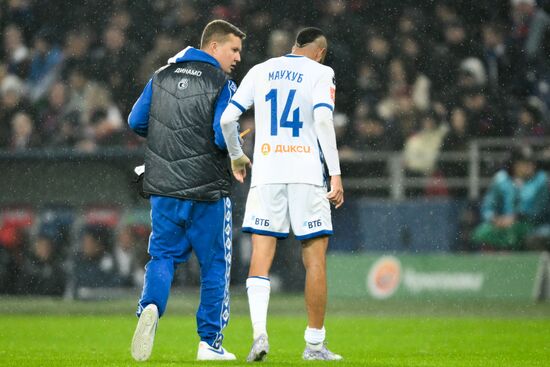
(217, 30)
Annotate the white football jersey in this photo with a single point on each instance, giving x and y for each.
(285, 91)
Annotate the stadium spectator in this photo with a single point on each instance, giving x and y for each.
(342, 130)
(516, 203)
(370, 84)
(448, 56)
(471, 74)
(185, 19)
(536, 44)
(498, 58)
(45, 62)
(529, 120)
(483, 118)
(341, 28)
(17, 53)
(50, 115)
(444, 13)
(125, 252)
(105, 128)
(280, 41)
(23, 134)
(70, 131)
(42, 272)
(522, 13)
(377, 54)
(94, 263)
(371, 133)
(411, 22)
(411, 51)
(12, 91)
(408, 94)
(459, 135)
(85, 95)
(76, 50)
(164, 46)
(422, 149)
(115, 50)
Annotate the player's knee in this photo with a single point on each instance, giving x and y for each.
(315, 264)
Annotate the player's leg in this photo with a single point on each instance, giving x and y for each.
(211, 237)
(267, 219)
(314, 258)
(315, 290)
(167, 248)
(310, 217)
(258, 288)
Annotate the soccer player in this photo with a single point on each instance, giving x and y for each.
(293, 97)
(187, 175)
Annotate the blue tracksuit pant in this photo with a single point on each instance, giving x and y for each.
(179, 227)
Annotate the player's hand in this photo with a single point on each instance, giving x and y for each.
(239, 166)
(336, 194)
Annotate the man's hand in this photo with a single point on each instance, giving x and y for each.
(238, 166)
(336, 194)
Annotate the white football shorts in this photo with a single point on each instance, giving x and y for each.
(272, 208)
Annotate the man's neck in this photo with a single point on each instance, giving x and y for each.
(301, 52)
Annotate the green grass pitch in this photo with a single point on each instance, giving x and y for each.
(38, 332)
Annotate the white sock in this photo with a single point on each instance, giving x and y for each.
(258, 289)
(315, 337)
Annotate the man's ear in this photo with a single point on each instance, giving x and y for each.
(322, 54)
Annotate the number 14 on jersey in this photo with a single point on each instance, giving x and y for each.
(295, 124)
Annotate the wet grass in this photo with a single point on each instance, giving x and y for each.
(44, 332)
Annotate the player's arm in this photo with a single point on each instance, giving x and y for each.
(241, 101)
(221, 104)
(138, 120)
(324, 128)
(323, 108)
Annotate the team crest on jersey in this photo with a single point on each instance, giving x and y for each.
(183, 84)
(266, 148)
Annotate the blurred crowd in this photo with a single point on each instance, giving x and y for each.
(60, 252)
(420, 77)
(414, 76)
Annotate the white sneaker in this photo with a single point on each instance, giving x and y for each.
(144, 336)
(313, 353)
(207, 353)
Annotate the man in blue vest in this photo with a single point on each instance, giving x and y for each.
(188, 177)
